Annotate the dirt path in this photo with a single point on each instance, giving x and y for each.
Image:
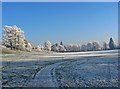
(45, 77)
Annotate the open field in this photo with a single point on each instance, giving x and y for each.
(77, 69)
(89, 72)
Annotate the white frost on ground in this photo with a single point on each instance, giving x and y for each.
(54, 56)
(82, 68)
(89, 72)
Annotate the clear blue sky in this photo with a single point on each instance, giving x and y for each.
(68, 22)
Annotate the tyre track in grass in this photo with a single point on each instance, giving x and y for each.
(46, 76)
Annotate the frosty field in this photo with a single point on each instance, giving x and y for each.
(75, 69)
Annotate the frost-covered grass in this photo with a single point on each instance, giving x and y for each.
(7, 51)
(18, 69)
(89, 72)
(17, 72)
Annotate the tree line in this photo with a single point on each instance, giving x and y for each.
(90, 46)
(13, 38)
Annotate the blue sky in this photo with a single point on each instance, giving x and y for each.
(76, 23)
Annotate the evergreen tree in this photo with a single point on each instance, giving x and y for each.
(111, 44)
(61, 43)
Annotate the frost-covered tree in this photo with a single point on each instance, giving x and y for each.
(62, 48)
(58, 48)
(89, 47)
(13, 37)
(72, 48)
(28, 47)
(40, 48)
(83, 47)
(68, 48)
(105, 46)
(96, 46)
(47, 46)
(111, 44)
(55, 47)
